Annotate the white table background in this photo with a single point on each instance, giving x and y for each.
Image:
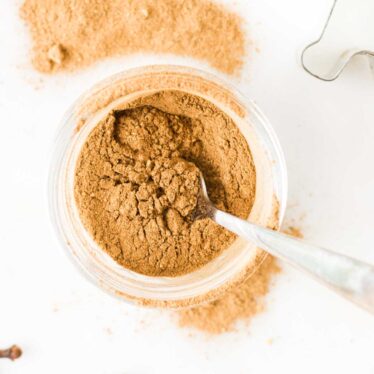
(66, 325)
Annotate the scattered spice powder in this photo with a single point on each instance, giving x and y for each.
(293, 231)
(72, 34)
(137, 180)
(239, 303)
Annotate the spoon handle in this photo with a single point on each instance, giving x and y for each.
(349, 277)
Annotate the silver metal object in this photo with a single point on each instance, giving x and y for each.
(347, 276)
(350, 23)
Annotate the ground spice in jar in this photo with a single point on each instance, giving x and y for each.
(72, 34)
(137, 179)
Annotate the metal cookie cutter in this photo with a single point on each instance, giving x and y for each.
(348, 32)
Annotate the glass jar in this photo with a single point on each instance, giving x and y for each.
(235, 263)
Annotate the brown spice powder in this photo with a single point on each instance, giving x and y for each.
(136, 182)
(293, 231)
(240, 303)
(72, 34)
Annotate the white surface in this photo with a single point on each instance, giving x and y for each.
(65, 325)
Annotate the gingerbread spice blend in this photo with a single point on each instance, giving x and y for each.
(71, 34)
(116, 185)
(137, 181)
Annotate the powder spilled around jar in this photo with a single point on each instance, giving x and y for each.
(72, 34)
(240, 303)
(137, 179)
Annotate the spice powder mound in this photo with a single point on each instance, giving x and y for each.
(239, 303)
(71, 34)
(137, 179)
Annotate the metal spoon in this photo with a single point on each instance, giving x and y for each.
(349, 277)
